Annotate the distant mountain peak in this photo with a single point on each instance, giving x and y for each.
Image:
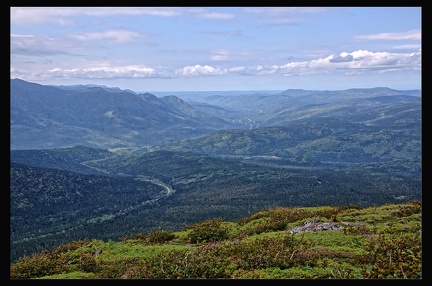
(148, 96)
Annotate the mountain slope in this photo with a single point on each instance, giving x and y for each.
(294, 104)
(314, 142)
(51, 117)
(69, 159)
(48, 206)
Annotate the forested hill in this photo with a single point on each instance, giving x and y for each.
(51, 117)
(45, 117)
(53, 206)
(314, 142)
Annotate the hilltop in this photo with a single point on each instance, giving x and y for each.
(345, 242)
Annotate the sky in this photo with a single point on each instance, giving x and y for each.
(148, 49)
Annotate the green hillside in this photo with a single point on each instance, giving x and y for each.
(314, 142)
(344, 242)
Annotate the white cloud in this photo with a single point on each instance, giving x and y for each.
(62, 15)
(224, 33)
(199, 70)
(354, 62)
(134, 11)
(35, 46)
(357, 61)
(279, 16)
(204, 14)
(220, 55)
(407, 47)
(284, 10)
(236, 69)
(217, 16)
(107, 71)
(102, 72)
(226, 55)
(409, 35)
(120, 36)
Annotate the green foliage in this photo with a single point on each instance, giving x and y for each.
(47, 263)
(161, 236)
(71, 275)
(394, 256)
(390, 248)
(87, 263)
(207, 231)
(42, 264)
(280, 218)
(407, 210)
(158, 236)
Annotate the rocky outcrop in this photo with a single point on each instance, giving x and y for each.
(315, 225)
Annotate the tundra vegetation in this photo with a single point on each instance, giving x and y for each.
(327, 242)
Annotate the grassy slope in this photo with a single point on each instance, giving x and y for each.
(375, 242)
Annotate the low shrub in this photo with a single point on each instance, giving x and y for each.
(161, 236)
(38, 265)
(207, 231)
(394, 256)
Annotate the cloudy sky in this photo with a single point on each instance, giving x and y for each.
(218, 48)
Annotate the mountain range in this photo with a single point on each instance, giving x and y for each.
(55, 117)
(52, 117)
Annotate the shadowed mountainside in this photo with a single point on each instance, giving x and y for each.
(50, 117)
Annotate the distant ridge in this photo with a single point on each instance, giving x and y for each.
(53, 117)
(108, 117)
